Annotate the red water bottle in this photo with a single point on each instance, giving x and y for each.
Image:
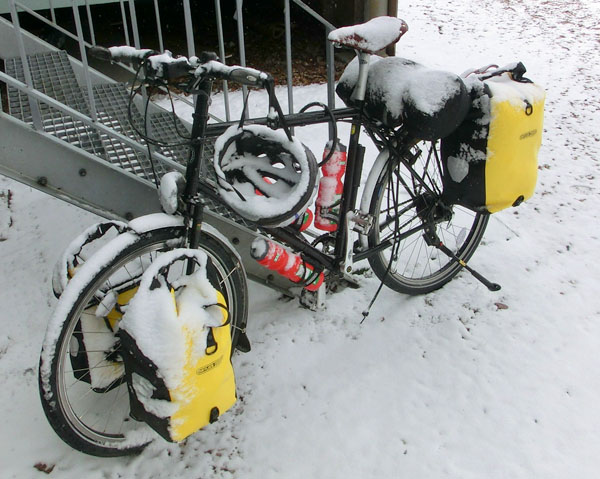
(287, 264)
(303, 221)
(331, 186)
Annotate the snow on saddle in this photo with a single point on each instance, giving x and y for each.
(430, 104)
(372, 36)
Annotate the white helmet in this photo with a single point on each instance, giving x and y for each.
(263, 175)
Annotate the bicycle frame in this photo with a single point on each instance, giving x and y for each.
(344, 248)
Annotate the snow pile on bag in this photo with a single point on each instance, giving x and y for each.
(430, 104)
(176, 345)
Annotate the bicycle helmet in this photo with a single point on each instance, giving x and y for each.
(263, 175)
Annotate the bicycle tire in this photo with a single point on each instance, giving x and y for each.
(78, 427)
(418, 268)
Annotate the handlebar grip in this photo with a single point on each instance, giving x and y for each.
(248, 76)
(100, 53)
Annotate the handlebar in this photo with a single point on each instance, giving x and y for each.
(163, 66)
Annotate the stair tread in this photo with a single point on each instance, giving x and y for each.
(52, 74)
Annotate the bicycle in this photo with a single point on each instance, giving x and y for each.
(414, 239)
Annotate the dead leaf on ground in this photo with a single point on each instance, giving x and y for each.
(40, 466)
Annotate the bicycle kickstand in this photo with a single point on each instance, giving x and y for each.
(434, 240)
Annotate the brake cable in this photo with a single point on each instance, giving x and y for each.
(334, 140)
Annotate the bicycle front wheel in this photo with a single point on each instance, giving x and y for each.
(82, 383)
(406, 200)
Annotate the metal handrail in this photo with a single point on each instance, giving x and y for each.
(314, 14)
(124, 19)
(82, 41)
(222, 55)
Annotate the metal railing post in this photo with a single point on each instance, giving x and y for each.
(242, 45)
(134, 24)
(90, 22)
(189, 28)
(34, 105)
(330, 59)
(288, 55)
(52, 12)
(222, 55)
(161, 46)
(125, 23)
(84, 61)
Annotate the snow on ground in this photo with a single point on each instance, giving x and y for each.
(446, 385)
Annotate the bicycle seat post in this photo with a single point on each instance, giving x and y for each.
(358, 95)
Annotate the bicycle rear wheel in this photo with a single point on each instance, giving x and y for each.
(82, 387)
(404, 202)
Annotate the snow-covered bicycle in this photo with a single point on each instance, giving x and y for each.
(423, 211)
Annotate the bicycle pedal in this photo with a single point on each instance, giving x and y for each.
(313, 300)
(361, 222)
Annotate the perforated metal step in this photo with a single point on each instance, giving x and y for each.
(169, 129)
(52, 74)
(112, 105)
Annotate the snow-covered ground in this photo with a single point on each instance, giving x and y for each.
(445, 385)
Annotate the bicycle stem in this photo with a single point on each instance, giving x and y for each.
(193, 214)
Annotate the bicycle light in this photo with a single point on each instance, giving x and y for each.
(170, 190)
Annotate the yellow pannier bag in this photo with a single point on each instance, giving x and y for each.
(178, 364)
(208, 381)
(490, 161)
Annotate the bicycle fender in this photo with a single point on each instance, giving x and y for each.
(154, 221)
(378, 166)
(157, 221)
(65, 267)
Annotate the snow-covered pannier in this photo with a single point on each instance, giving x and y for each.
(176, 346)
(428, 103)
(490, 160)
